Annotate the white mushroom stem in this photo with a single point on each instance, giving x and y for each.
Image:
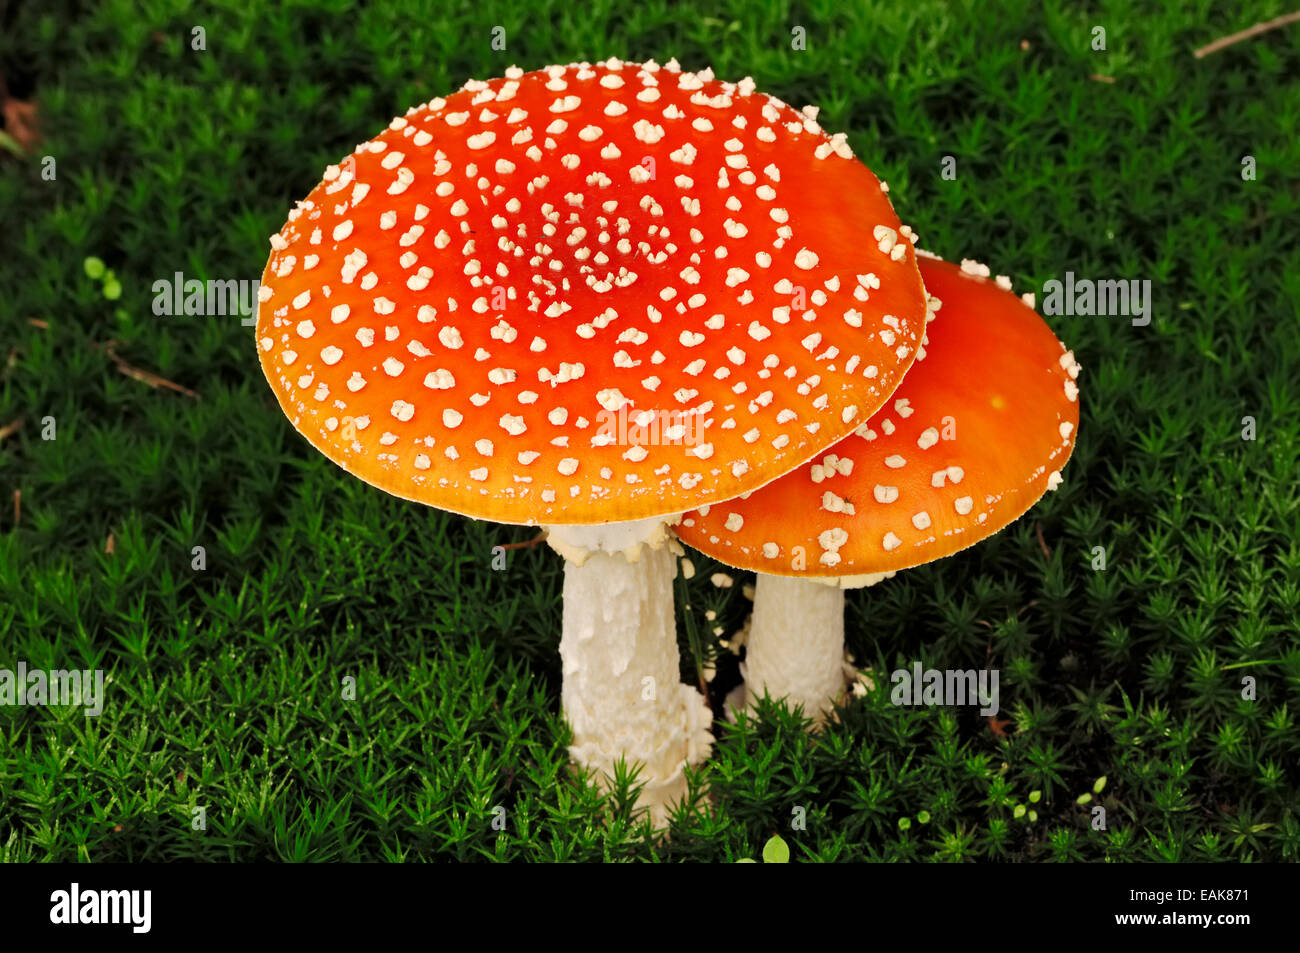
(794, 649)
(622, 691)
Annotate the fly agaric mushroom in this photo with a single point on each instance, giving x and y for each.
(591, 297)
(977, 432)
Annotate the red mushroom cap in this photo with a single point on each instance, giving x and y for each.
(589, 294)
(979, 429)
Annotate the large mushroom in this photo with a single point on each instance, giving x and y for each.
(592, 297)
(977, 432)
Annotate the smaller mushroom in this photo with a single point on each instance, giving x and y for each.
(977, 432)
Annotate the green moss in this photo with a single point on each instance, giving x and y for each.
(227, 683)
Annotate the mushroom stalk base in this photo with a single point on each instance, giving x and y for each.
(795, 646)
(622, 692)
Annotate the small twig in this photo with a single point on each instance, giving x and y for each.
(528, 543)
(39, 323)
(1233, 38)
(18, 507)
(11, 428)
(108, 545)
(1042, 543)
(1101, 78)
(997, 725)
(146, 377)
(1265, 661)
(20, 124)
